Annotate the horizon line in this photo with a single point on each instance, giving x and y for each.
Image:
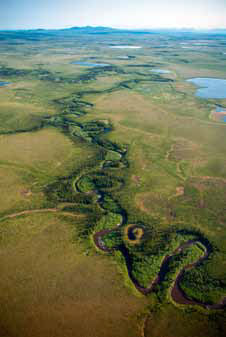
(120, 28)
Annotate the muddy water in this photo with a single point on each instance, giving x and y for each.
(219, 114)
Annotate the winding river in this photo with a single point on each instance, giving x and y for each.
(177, 293)
(96, 177)
(100, 181)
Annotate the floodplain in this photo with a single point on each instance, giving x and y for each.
(113, 185)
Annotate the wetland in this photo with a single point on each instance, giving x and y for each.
(113, 191)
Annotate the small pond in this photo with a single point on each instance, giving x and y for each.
(125, 47)
(126, 57)
(90, 64)
(2, 84)
(220, 109)
(123, 57)
(160, 71)
(209, 87)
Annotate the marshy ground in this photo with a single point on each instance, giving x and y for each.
(118, 150)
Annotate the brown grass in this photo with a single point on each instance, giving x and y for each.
(174, 322)
(44, 149)
(49, 287)
(28, 160)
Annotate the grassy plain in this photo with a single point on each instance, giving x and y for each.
(29, 161)
(171, 321)
(172, 180)
(49, 286)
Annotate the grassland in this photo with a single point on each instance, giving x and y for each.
(170, 320)
(48, 278)
(111, 146)
(29, 161)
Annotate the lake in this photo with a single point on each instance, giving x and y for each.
(209, 87)
(125, 47)
(89, 64)
(2, 84)
(160, 71)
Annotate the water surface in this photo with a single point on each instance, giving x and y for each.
(161, 71)
(200, 44)
(209, 87)
(220, 113)
(123, 57)
(126, 57)
(2, 84)
(126, 47)
(90, 64)
(220, 109)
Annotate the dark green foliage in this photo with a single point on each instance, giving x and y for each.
(199, 285)
(60, 191)
(10, 72)
(108, 221)
(108, 203)
(113, 239)
(85, 199)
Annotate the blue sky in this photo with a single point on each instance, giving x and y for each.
(115, 13)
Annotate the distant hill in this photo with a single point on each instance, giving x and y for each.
(107, 30)
(89, 30)
(93, 29)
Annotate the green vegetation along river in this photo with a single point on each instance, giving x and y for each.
(113, 185)
(95, 186)
(96, 183)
